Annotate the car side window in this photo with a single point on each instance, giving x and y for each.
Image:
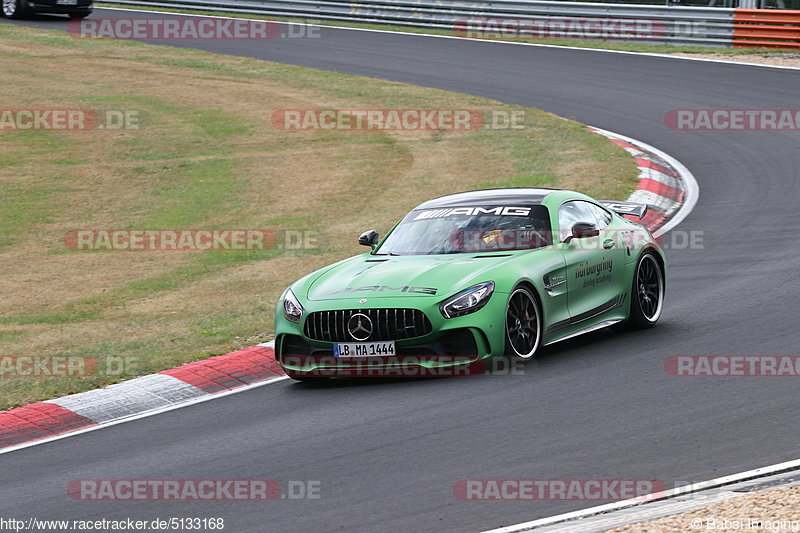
(603, 217)
(573, 212)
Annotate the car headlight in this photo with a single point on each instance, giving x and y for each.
(468, 301)
(292, 309)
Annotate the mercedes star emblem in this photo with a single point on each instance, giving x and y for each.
(359, 326)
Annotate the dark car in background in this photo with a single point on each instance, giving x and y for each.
(20, 8)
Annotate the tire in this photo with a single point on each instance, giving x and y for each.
(647, 293)
(13, 9)
(79, 14)
(523, 325)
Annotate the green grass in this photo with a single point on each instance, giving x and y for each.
(207, 157)
(49, 318)
(23, 208)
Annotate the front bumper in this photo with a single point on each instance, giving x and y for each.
(454, 346)
(454, 353)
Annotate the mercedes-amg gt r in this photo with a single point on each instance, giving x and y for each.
(468, 276)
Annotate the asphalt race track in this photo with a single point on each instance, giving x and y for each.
(387, 454)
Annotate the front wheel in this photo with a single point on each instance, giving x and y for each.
(647, 292)
(523, 325)
(79, 14)
(13, 9)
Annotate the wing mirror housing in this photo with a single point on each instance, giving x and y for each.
(369, 238)
(583, 230)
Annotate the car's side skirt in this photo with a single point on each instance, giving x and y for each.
(593, 327)
(613, 303)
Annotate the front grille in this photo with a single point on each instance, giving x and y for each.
(387, 324)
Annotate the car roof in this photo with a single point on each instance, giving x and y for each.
(515, 196)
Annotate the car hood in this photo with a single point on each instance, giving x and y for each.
(397, 276)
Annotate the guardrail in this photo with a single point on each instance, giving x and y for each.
(704, 26)
(766, 28)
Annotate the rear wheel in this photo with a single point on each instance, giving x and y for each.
(523, 325)
(647, 292)
(13, 9)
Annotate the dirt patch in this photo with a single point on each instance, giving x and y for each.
(780, 59)
(770, 510)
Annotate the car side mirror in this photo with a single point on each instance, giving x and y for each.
(583, 230)
(369, 238)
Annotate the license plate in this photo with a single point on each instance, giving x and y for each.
(363, 349)
(67, 2)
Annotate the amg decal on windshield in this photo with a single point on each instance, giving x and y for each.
(472, 211)
(383, 288)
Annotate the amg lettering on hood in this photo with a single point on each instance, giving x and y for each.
(382, 288)
(472, 211)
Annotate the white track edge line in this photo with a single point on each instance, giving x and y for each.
(690, 182)
(395, 32)
(678, 491)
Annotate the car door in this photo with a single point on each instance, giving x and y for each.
(594, 265)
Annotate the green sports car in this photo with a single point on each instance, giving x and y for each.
(465, 277)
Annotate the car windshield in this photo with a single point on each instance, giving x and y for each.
(471, 229)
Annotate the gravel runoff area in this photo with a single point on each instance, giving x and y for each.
(782, 59)
(776, 510)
